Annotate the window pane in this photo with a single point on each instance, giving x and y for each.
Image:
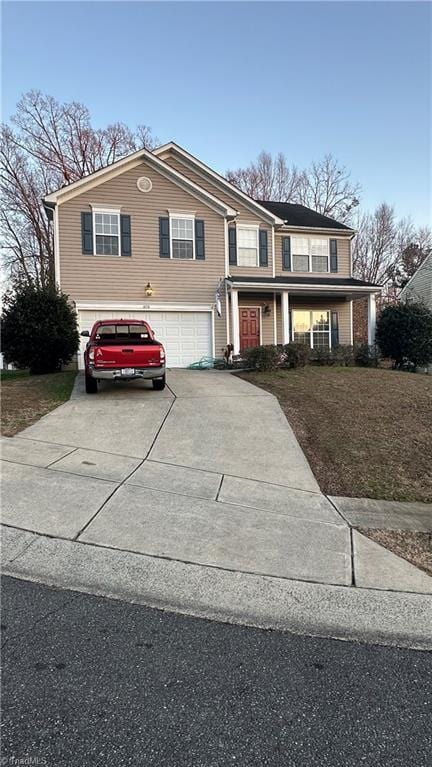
(106, 225)
(182, 228)
(301, 321)
(114, 334)
(320, 321)
(319, 247)
(302, 338)
(319, 264)
(182, 249)
(247, 238)
(300, 246)
(106, 330)
(300, 263)
(321, 340)
(247, 257)
(106, 245)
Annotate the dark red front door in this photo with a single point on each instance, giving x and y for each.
(249, 327)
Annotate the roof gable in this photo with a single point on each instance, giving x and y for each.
(217, 180)
(109, 172)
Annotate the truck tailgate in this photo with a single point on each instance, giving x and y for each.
(127, 356)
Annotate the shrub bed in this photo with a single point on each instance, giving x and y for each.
(295, 355)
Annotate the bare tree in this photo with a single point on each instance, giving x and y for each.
(267, 178)
(26, 237)
(414, 254)
(374, 249)
(325, 186)
(386, 250)
(49, 145)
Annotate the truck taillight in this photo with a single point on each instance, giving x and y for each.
(162, 354)
(91, 355)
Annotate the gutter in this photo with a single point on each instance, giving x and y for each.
(347, 232)
(49, 208)
(306, 286)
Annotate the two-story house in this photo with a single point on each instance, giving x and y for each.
(161, 236)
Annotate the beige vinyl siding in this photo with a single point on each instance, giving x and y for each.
(123, 279)
(207, 183)
(344, 253)
(315, 304)
(246, 215)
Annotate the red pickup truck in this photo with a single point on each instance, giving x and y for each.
(122, 350)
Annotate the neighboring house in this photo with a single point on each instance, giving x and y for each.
(160, 236)
(419, 287)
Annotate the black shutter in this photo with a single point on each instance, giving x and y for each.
(199, 240)
(125, 229)
(263, 255)
(334, 329)
(232, 246)
(87, 233)
(286, 253)
(164, 238)
(333, 256)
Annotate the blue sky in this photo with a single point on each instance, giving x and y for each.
(227, 80)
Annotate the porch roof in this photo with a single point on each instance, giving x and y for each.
(317, 285)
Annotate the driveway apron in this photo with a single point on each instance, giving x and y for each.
(207, 471)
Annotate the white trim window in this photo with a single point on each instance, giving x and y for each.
(106, 232)
(310, 254)
(182, 234)
(247, 245)
(312, 328)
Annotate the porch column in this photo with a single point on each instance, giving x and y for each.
(285, 317)
(235, 327)
(371, 319)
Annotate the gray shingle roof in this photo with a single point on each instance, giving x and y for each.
(299, 215)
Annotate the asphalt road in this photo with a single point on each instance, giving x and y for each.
(91, 681)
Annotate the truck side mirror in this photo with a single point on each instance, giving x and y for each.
(85, 333)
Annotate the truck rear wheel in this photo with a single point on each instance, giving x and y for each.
(159, 383)
(91, 385)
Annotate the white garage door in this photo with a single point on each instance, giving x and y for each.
(186, 336)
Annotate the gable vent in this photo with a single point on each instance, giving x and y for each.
(144, 184)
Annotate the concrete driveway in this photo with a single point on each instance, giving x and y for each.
(206, 472)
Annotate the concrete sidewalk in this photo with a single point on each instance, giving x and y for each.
(206, 472)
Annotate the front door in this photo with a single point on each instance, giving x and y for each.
(249, 327)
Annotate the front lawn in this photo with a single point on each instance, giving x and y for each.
(365, 432)
(27, 398)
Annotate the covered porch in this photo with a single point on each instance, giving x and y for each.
(310, 310)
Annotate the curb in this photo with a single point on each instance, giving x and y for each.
(392, 618)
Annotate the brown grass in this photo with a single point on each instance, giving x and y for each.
(26, 398)
(366, 432)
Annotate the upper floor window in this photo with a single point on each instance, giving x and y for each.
(310, 254)
(106, 233)
(247, 245)
(182, 237)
